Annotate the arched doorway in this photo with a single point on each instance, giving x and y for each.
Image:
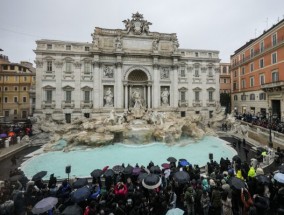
(137, 90)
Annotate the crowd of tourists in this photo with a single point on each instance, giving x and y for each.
(261, 120)
(12, 133)
(177, 187)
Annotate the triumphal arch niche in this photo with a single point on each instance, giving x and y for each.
(146, 65)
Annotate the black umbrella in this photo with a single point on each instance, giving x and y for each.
(72, 210)
(171, 159)
(237, 159)
(109, 173)
(151, 181)
(155, 170)
(128, 170)
(81, 182)
(117, 169)
(236, 183)
(262, 179)
(39, 175)
(142, 175)
(181, 177)
(281, 169)
(96, 173)
(80, 195)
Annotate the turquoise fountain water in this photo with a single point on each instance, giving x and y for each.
(85, 161)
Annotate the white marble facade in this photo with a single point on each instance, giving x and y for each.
(76, 79)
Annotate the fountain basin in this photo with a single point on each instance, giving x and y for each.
(83, 162)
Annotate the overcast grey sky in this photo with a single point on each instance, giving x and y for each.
(222, 25)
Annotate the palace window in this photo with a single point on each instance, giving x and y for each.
(196, 54)
(261, 63)
(196, 72)
(196, 96)
(68, 47)
(87, 96)
(261, 79)
(24, 88)
(49, 46)
(251, 80)
(235, 98)
(275, 76)
(182, 73)
(49, 66)
(16, 88)
(251, 53)
(252, 97)
(262, 96)
(261, 46)
(274, 57)
(68, 96)
(182, 96)
(6, 89)
(24, 99)
(49, 96)
(243, 70)
(15, 99)
(87, 68)
(68, 66)
(224, 69)
(6, 99)
(210, 72)
(274, 39)
(210, 95)
(87, 48)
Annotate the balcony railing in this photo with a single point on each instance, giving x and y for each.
(211, 103)
(49, 75)
(48, 104)
(196, 103)
(86, 104)
(87, 76)
(182, 103)
(68, 104)
(273, 86)
(68, 74)
(257, 52)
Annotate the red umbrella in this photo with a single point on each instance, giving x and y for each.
(166, 165)
(105, 168)
(11, 134)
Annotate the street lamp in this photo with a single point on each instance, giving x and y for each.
(270, 144)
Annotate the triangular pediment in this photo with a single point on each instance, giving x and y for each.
(68, 88)
(48, 87)
(86, 88)
(182, 89)
(211, 89)
(197, 89)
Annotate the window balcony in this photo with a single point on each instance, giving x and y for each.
(196, 103)
(211, 103)
(86, 104)
(210, 80)
(48, 104)
(49, 75)
(68, 104)
(196, 80)
(273, 86)
(87, 76)
(68, 75)
(182, 103)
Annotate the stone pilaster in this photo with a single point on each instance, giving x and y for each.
(119, 87)
(156, 86)
(97, 85)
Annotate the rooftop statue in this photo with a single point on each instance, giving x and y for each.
(137, 24)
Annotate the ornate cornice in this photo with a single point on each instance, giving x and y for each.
(77, 64)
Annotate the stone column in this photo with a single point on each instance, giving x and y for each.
(119, 87)
(59, 93)
(156, 86)
(97, 78)
(125, 96)
(149, 96)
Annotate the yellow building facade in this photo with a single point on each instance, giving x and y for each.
(17, 90)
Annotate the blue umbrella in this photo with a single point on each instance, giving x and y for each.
(80, 195)
(44, 205)
(81, 182)
(279, 177)
(3, 135)
(184, 163)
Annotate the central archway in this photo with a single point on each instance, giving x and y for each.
(137, 89)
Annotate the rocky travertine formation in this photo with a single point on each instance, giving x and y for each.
(125, 127)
